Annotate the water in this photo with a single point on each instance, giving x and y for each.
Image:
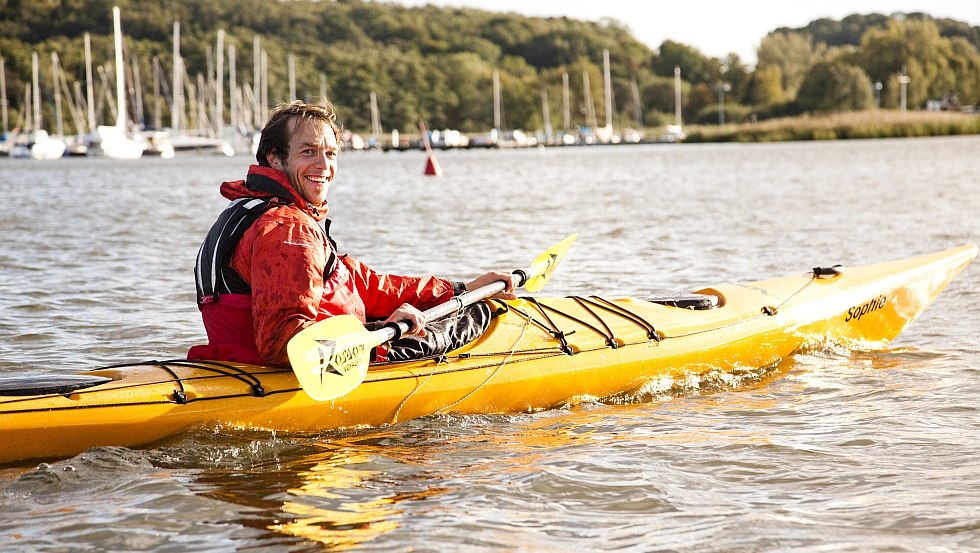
(829, 451)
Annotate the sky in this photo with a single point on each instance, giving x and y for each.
(715, 27)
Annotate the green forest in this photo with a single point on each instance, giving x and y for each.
(437, 64)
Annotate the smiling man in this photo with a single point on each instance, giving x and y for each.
(267, 268)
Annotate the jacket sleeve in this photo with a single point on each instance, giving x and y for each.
(287, 260)
(383, 293)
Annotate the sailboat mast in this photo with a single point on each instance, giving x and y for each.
(157, 99)
(120, 70)
(677, 96)
(89, 84)
(177, 109)
(232, 87)
(637, 113)
(80, 128)
(136, 92)
(55, 71)
(28, 124)
(546, 114)
(496, 99)
(256, 84)
(566, 109)
(3, 95)
(36, 91)
(375, 119)
(589, 105)
(265, 86)
(607, 89)
(219, 98)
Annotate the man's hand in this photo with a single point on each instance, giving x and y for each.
(490, 278)
(409, 314)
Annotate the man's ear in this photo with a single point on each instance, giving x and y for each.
(272, 158)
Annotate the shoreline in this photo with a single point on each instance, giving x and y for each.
(842, 126)
(832, 126)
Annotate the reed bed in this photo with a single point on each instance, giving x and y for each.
(864, 124)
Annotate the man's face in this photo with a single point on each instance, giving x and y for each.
(312, 161)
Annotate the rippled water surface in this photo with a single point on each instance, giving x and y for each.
(829, 451)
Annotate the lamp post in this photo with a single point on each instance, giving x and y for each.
(904, 80)
(878, 87)
(722, 89)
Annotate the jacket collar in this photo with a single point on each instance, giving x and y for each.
(266, 182)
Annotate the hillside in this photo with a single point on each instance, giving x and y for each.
(437, 64)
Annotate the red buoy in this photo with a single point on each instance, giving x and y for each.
(431, 166)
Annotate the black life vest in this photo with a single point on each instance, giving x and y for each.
(213, 272)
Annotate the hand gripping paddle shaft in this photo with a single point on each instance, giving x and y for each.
(331, 357)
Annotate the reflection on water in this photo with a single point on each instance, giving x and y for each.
(342, 490)
(323, 511)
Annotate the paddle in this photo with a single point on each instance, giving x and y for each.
(330, 358)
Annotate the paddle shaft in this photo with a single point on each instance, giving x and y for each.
(542, 266)
(392, 331)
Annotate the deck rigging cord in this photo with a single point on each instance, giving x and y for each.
(442, 359)
(764, 311)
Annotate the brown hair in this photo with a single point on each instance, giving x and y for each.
(275, 134)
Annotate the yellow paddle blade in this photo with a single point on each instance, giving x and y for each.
(541, 268)
(330, 358)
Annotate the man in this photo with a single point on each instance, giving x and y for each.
(267, 269)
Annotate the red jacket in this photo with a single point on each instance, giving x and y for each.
(283, 257)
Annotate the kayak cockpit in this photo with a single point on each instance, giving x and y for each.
(697, 301)
(48, 384)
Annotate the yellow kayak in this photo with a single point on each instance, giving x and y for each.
(538, 353)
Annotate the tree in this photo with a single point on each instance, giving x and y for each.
(835, 86)
(965, 64)
(765, 86)
(793, 53)
(915, 48)
(696, 67)
(469, 84)
(847, 31)
(658, 94)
